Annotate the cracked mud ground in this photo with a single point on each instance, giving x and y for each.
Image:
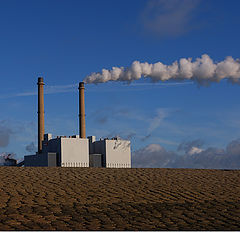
(118, 199)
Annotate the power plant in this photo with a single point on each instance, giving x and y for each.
(77, 150)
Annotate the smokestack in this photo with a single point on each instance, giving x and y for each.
(40, 114)
(82, 126)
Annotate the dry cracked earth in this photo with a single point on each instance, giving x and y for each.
(118, 199)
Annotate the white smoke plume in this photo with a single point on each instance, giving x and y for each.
(203, 70)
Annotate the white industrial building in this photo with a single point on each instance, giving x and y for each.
(77, 150)
(115, 152)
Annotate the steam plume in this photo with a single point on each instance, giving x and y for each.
(203, 70)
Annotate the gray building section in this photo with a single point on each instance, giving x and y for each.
(41, 160)
(52, 160)
(95, 160)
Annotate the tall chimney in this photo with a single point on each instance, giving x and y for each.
(82, 126)
(40, 114)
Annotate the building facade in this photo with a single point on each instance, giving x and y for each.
(81, 152)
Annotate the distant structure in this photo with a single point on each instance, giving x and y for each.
(77, 150)
(8, 160)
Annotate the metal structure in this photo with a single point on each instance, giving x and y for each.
(40, 113)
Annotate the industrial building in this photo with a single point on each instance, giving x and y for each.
(77, 150)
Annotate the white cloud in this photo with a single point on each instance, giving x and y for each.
(233, 148)
(5, 133)
(195, 150)
(155, 122)
(154, 155)
(188, 146)
(31, 148)
(47, 90)
(168, 18)
(154, 148)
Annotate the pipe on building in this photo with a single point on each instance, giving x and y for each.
(40, 113)
(82, 125)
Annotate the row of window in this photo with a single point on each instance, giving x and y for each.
(118, 165)
(74, 164)
(109, 165)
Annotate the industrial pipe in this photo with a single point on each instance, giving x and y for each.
(40, 114)
(82, 126)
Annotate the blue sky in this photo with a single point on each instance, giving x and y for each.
(63, 41)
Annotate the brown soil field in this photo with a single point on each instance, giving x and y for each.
(119, 199)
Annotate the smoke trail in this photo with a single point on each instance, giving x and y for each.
(203, 70)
